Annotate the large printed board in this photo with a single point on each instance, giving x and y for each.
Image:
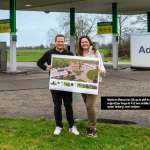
(74, 74)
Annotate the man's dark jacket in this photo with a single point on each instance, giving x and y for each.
(47, 57)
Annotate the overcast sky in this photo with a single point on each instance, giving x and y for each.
(32, 27)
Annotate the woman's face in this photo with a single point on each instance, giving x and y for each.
(85, 44)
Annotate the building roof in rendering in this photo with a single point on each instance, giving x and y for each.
(92, 66)
(55, 73)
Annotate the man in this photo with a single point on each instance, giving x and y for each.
(59, 95)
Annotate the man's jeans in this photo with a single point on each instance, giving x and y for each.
(57, 100)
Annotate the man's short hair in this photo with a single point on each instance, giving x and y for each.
(59, 35)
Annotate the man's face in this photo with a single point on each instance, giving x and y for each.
(60, 43)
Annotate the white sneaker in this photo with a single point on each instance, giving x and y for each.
(57, 130)
(74, 130)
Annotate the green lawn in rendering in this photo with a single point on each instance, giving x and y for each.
(37, 134)
(80, 80)
(92, 73)
(66, 78)
(77, 72)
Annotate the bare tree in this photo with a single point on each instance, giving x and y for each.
(89, 27)
(130, 24)
(140, 22)
(127, 24)
(51, 34)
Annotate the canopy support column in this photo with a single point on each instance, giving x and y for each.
(115, 34)
(13, 37)
(72, 30)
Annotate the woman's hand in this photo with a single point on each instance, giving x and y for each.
(49, 68)
(101, 72)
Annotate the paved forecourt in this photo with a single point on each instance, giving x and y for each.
(27, 95)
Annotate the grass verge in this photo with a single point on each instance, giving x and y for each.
(37, 134)
(120, 60)
(35, 55)
(27, 55)
(105, 51)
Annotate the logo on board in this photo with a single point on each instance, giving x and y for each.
(142, 50)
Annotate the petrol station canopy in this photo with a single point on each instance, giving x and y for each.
(114, 7)
(125, 7)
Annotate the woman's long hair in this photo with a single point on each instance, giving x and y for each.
(79, 51)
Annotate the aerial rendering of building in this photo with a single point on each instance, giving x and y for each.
(75, 70)
(74, 66)
(58, 73)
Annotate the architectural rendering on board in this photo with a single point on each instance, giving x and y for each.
(75, 70)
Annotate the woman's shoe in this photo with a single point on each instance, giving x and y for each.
(92, 133)
(86, 131)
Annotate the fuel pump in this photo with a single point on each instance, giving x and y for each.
(115, 51)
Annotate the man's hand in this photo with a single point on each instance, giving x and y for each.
(101, 72)
(49, 68)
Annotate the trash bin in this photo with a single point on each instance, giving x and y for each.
(3, 56)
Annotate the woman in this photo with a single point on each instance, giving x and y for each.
(86, 48)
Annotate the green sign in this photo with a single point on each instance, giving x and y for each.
(14, 37)
(104, 23)
(4, 26)
(4, 21)
(104, 27)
